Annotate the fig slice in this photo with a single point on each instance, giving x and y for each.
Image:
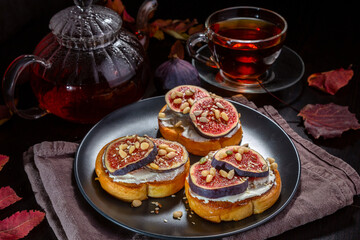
(181, 98)
(170, 155)
(128, 153)
(208, 182)
(245, 161)
(214, 117)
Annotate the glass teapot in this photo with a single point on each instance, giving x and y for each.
(86, 67)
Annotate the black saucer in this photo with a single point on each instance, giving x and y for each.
(285, 72)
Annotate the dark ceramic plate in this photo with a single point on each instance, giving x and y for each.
(140, 118)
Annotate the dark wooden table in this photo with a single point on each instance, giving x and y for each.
(324, 34)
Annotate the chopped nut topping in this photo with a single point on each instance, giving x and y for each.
(238, 156)
(197, 112)
(204, 173)
(177, 100)
(171, 155)
(212, 171)
(162, 152)
(217, 113)
(162, 115)
(203, 119)
(177, 214)
(123, 146)
(184, 105)
(222, 154)
(224, 116)
(178, 124)
(186, 110)
(271, 160)
(223, 173)
(144, 145)
(137, 144)
(169, 149)
(173, 95)
(231, 174)
(136, 203)
(274, 166)
(163, 146)
(154, 166)
(122, 153)
(209, 178)
(179, 94)
(131, 149)
(188, 93)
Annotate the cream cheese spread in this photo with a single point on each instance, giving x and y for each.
(257, 187)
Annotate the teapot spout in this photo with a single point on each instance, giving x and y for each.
(144, 14)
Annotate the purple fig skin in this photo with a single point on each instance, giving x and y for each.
(175, 72)
(227, 166)
(209, 135)
(148, 158)
(219, 192)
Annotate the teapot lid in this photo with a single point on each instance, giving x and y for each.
(85, 26)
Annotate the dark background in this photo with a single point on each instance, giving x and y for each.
(325, 34)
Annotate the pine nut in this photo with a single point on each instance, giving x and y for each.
(154, 166)
(144, 145)
(177, 100)
(223, 173)
(231, 174)
(209, 178)
(177, 214)
(224, 116)
(162, 152)
(131, 149)
(204, 173)
(238, 156)
(136, 203)
(171, 155)
(186, 110)
(122, 153)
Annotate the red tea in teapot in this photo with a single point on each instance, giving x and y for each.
(85, 103)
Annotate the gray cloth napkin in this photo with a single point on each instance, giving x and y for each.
(327, 184)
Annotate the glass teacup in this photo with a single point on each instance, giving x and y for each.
(244, 42)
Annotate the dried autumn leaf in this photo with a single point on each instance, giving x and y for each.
(115, 5)
(5, 114)
(331, 81)
(3, 160)
(328, 120)
(179, 29)
(20, 224)
(7, 197)
(177, 50)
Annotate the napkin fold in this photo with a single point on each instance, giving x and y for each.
(327, 184)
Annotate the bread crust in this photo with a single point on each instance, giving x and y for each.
(228, 211)
(130, 191)
(196, 147)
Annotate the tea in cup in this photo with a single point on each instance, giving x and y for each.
(244, 42)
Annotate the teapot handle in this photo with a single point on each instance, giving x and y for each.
(10, 79)
(145, 13)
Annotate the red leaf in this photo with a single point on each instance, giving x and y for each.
(20, 224)
(331, 81)
(328, 120)
(7, 197)
(127, 18)
(3, 160)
